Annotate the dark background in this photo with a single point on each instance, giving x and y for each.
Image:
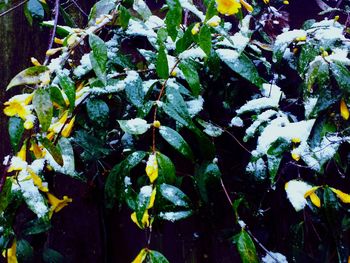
(82, 231)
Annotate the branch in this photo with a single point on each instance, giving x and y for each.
(53, 32)
(13, 8)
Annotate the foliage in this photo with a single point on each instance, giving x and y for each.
(148, 106)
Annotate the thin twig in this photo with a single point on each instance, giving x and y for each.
(53, 31)
(13, 8)
(79, 7)
(239, 143)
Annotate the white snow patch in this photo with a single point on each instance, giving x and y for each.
(296, 190)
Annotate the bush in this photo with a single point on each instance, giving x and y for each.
(172, 110)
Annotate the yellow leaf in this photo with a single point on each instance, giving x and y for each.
(152, 167)
(152, 198)
(37, 180)
(195, 29)
(68, 128)
(296, 140)
(35, 62)
(141, 256)
(145, 219)
(11, 253)
(315, 200)
(296, 156)
(23, 152)
(311, 191)
(345, 198)
(344, 111)
(247, 6)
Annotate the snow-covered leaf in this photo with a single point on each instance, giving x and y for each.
(134, 126)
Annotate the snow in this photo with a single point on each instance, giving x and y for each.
(146, 190)
(262, 118)
(272, 91)
(309, 105)
(339, 55)
(237, 122)
(174, 216)
(258, 168)
(283, 40)
(84, 67)
(127, 181)
(327, 148)
(195, 106)
(146, 85)
(38, 165)
(242, 224)
(228, 55)
(137, 125)
(18, 164)
(154, 22)
(6, 160)
(31, 194)
(281, 127)
(186, 4)
(192, 53)
(274, 257)
(296, 190)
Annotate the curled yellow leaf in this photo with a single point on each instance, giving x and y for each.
(345, 198)
(141, 256)
(344, 111)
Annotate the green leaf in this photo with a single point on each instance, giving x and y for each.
(242, 65)
(174, 195)
(166, 171)
(68, 87)
(98, 57)
(327, 98)
(205, 39)
(53, 150)
(29, 76)
(93, 147)
(34, 9)
(307, 54)
(134, 91)
(61, 31)
(210, 129)
(52, 256)
(246, 248)
(156, 257)
(114, 187)
(162, 66)
(135, 126)
(278, 147)
(56, 96)
(98, 111)
(124, 17)
(185, 41)
(173, 18)
(43, 107)
(273, 164)
(5, 195)
(143, 199)
(189, 70)
(37, 226)
(176, 140)
(102, 7)
(15, 130)
(24, 251)
(142, 9)
(342, 76)
(67, 152)
(211, 10)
